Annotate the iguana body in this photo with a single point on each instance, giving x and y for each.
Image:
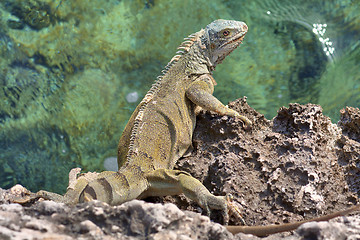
(160, 130)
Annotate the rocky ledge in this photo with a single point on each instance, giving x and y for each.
(297, 166)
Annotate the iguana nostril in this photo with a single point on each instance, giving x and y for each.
(244, 27)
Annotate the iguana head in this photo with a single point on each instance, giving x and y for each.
(221, 37)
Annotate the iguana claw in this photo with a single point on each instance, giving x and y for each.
(233, 210)
(245, 120)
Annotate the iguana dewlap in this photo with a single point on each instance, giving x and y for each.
(160, 130)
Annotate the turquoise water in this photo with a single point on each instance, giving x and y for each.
(71, 74)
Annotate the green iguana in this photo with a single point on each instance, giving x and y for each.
(160, 131)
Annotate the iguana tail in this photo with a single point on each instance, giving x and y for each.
(262, 231)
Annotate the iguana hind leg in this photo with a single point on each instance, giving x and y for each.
(171, 182)
(74, 190)
(67, 198)
(50, 196)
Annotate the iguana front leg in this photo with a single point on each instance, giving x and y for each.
(200, 92)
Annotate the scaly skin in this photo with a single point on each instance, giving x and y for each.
(160, 131)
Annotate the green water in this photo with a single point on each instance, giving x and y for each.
(72, 73)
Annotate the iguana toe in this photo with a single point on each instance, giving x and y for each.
(234, 210)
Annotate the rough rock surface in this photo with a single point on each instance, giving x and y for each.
(297, 166)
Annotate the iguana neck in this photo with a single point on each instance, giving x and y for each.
(196, 59)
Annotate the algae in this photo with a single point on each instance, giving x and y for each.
(35, 14)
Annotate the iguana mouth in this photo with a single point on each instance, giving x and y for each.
(239, 40)
(236, 42)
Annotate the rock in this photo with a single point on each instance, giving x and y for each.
(288, 169)
(350, 122)
(297, 166)
(343, 228)
(12, 207)
(97, 220)
(50, 207)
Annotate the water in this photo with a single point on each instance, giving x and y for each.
(70, 72)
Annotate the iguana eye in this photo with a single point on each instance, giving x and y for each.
(226, 33)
